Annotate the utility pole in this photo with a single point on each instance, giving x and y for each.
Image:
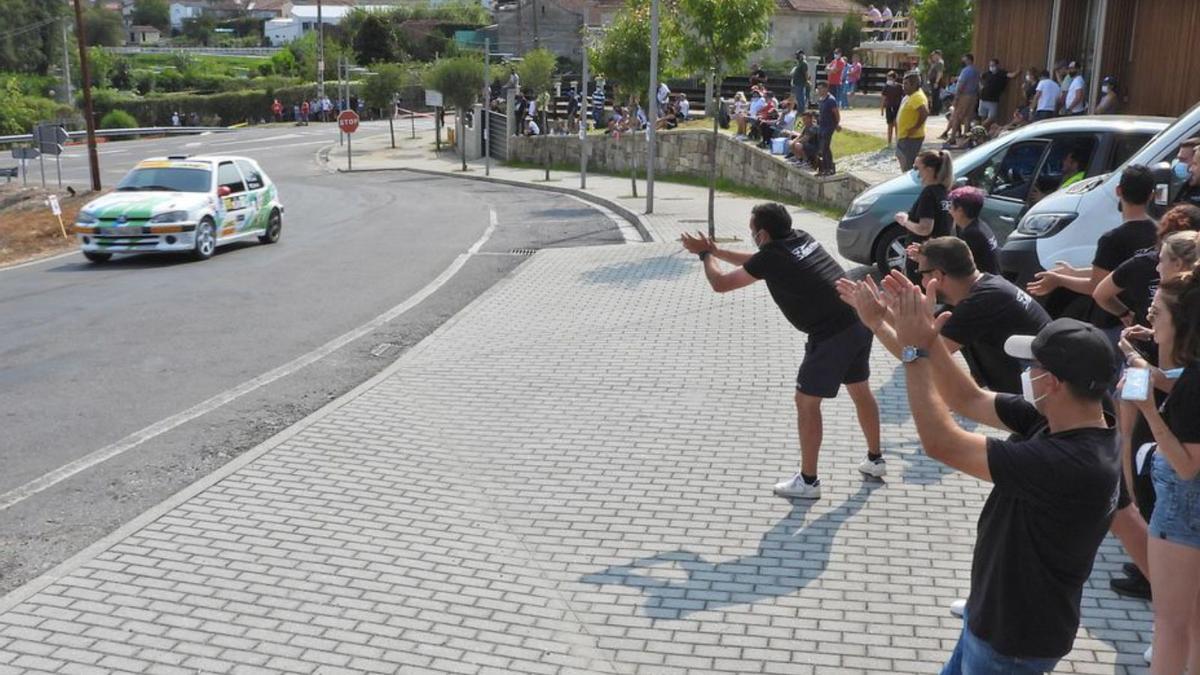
(537, 37)
(584, 106)
(88, 117)
(652, 106)
(67, 64)
(485, 115)
(320, 58)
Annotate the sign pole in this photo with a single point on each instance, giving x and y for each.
(42, 166)
(349, 153)
(584, 105)
(652, 107)
(485, 114)
(58, 169)
(412, 117)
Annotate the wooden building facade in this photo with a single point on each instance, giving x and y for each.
(1148, 45)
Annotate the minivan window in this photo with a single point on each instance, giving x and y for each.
(1009, 173)
(1124, 146)
(1060, 146)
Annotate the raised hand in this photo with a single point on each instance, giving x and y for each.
(697, 243)
(1043, 283)
(867, 301)
(912, 313)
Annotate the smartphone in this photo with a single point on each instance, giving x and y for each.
(1137, 384)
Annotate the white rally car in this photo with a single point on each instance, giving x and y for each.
(182, 204)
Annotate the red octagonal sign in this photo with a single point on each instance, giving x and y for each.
(348, 121)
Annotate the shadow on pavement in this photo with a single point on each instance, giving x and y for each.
(633, 273)
(790, 555)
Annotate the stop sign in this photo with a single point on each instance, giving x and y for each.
(348, 121)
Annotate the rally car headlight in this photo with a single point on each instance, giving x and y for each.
(170, 217)
(85, 218)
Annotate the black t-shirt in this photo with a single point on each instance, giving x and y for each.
(993, 85)
(801, 276)
(994, 310)
(1179, 410)
(1115, 247)
(932, 203)
(982, 242)
(1138, 279)
(1190, 194)
(1053, 498)
(892, 94)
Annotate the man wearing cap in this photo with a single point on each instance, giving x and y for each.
(801, 277)
(1054, 491)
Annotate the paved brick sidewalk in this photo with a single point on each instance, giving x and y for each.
(572, 476)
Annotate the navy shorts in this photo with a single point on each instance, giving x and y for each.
(842, 358)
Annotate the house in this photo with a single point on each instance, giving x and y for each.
(269, 9)
(143, 35)
(554, 24)
(183, 10)
(796, 23)
(1144, 44)
(302, 19)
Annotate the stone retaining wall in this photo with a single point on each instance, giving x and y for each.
(687, 153)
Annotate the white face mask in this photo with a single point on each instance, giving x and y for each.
(1027, 387)
(1104, 89)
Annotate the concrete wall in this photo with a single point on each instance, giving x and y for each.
(687, 152)
(791, 31)
(558, 29)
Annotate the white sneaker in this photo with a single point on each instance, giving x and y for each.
(1149, 654)
(874, 468)
(796, 487)
(957, 607)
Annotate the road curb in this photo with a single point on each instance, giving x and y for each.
(633, 218)
(34, 586)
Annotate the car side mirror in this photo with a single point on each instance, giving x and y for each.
(224, 191)
(1161, 198)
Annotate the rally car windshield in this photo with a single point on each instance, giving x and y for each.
(171, 179)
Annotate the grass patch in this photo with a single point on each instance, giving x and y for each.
(847, 142)
(723, 185)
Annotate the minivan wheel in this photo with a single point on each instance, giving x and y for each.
(889, 253)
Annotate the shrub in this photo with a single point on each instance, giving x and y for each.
(266, 68)
(118, 119)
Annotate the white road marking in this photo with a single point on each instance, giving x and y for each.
(255, 140)
(276, 147)
(628, 231)
(38, 261)
(193, 144)
(46, 481)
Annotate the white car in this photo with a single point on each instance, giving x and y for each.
(176, 203)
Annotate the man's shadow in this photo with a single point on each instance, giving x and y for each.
(789, 556)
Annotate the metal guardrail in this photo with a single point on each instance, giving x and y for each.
(123, 133)
(216, 51)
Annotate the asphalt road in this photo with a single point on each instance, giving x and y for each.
(90, 354)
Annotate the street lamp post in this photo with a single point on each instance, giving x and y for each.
(584, 104)
(652, 106)
(320, 58)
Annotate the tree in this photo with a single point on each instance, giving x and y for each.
(850, 34)
(199, 30)
(537, 70)
(103, 27)
(460, 80)
(152, 13)
(623, 56)
(827, 38)
(946, 25)
(717, 36)
(381, 89)
(31, 35)
(374, 41)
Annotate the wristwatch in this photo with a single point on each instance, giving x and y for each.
(910, 354)
(704, 255)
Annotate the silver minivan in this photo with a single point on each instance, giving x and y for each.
(1006, 168)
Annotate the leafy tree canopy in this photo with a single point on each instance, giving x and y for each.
(152, 13)
(718, 34)
(623, 55)
(380, 88)
(374, 41)
(30, 35)
(537, 70)
(946, 25)
(459, 79)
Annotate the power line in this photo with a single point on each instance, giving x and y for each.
(32, 26)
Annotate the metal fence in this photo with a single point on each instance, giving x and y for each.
(498, 134)
(210, 51)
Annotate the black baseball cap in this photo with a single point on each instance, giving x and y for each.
(1073, 351)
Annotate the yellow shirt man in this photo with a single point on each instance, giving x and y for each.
(908, 117)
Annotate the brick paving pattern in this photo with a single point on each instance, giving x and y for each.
(573, 476)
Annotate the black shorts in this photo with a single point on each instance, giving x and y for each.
(842, 358)
(891, 113)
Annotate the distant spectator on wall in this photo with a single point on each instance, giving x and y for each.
(886, 22)
(934, 81)
(1047, 97)
(834, 72)
(758, 76)
(829, 120)
(1075, 102)
(853, 75)
(800, 81)
(966, 97)
(993, 83)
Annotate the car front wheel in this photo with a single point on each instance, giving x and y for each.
(889, 253)
(206, 240)
(274, 228)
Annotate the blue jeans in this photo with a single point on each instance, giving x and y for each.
(973, 656)
(848, 90)
(801, 94)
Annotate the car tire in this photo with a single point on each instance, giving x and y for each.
(888, 253)
(96, 256)
(274, 228)
(206, 240)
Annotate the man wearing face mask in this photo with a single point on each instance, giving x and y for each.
(1188, 166)
(1076, 99)
(1054, 490)
(801, 277)
(995, 81)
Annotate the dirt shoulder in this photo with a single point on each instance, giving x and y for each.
(28, 229)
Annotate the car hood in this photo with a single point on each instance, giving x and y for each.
(137, 205)
(905, 183)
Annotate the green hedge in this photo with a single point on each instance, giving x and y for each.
(118, 119)
(230, 107)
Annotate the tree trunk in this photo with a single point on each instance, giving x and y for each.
(462, 146)
(392, 128)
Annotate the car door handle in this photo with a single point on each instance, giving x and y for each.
(1008, 219)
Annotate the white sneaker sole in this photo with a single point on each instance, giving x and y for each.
(809, 494)
(879, 472)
